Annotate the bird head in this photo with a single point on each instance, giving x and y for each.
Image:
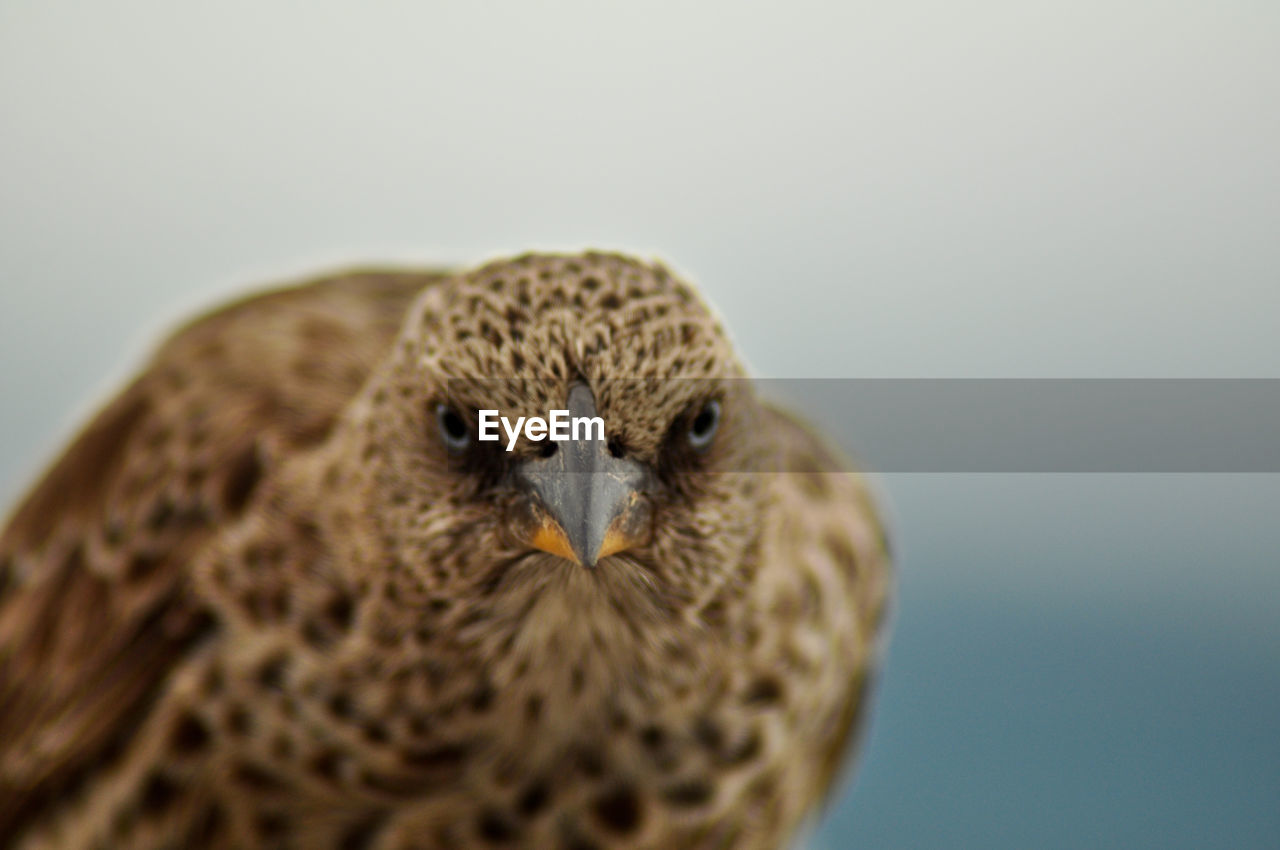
(656, 506)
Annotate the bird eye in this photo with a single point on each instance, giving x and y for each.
(453, 428)
(703, 427)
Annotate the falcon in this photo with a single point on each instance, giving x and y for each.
(278, 594)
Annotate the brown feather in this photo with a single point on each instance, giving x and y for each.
(95, 612)
(260, 601)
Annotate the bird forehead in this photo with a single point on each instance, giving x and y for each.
(580, 301)
(554, 318)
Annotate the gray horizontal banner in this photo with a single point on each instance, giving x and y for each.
(1067, 425)
(993, 425)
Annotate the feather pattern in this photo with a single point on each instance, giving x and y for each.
(258, 602)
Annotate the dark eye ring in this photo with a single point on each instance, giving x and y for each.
(454, 432)
(703, 427)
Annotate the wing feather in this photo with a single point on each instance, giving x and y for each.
(838, 532)
(95, 609)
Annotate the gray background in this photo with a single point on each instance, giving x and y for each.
(892, 190)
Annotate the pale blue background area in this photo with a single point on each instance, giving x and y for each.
(908, 189)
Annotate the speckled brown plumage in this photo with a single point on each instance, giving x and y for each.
(259, 603)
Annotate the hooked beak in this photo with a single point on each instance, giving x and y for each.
(586, 504)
